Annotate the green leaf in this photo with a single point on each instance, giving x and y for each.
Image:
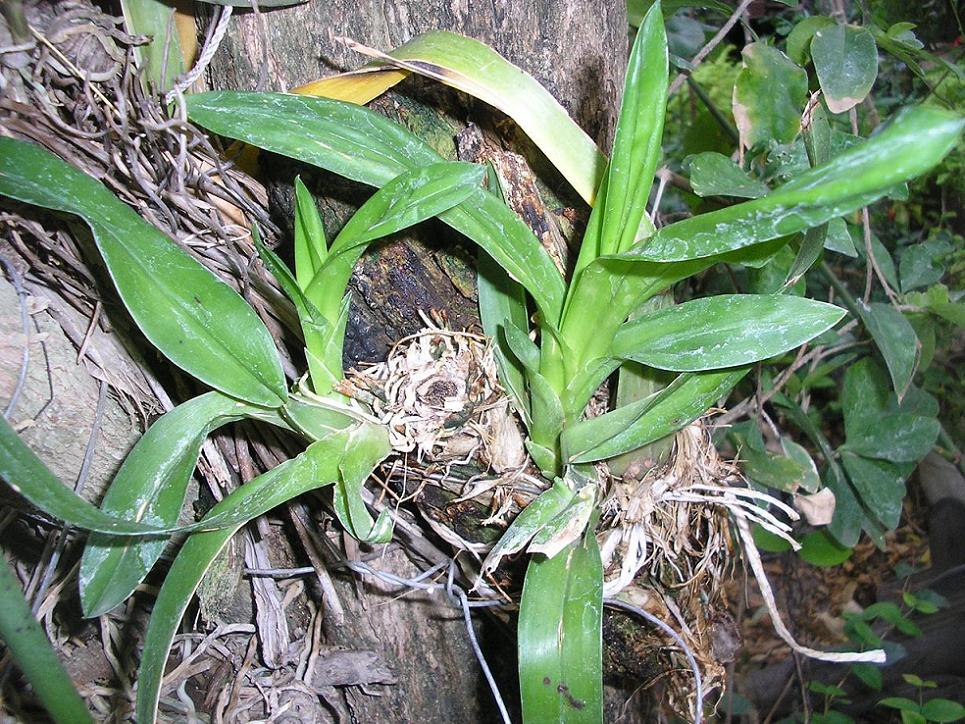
(799, 39)
(838, 238)
(818, 549)
(912, 143)
(502, 303)
(781, 472)
(350, 508)
(769, 95)
(846, 62)
(636, 147)
(869, 674)
(150, 487)
(896, 340)
(714, 174)
(809, 480)
(161, 59)
(409, 198)
(27, 644)
(943, 710)
(23, 471)
(875, 426)
(641, 423)
(319, 465)
(474, 68)
(723, 331)
(198, 322)
(529, 522)
(900, 703)
(358, 144)
(311, 246)
(567, 526)
(546, 425)
(889, 612)
(920, 264)
(880, 485)
(560, 636)
(769, 542)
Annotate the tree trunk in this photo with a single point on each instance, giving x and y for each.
(577, 49)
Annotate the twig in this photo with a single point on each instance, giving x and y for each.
(709, 47)
(329, 594)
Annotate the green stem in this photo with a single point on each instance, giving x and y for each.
(32, 652)
(841, 290)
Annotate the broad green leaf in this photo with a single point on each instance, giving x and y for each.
(502, 303)
(799, 39)
(869, 674)
(529, 522)
(714, 174)
(477, 69)
(838, 238)
(641, 423)
(891, 612)
(149, 487)
(769, 96)
(197, 321)
(880, 485)
(409, 198)
(768, 542)
(849, 518)
(311, 246)
(900, 703)
(560, 637)
(787, 472)
(26, 642)
(818, 549)
(810, 481)
(363, 146)
(921, 264)
(943, 710)
(23, 471)
(896, 340)
(318, 466)
(913, 142)
(621, 287)
(846, 61)
(877, 428)
(636, 146)
(723, 331)
(160, 60)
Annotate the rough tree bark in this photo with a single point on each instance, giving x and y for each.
(577, 49)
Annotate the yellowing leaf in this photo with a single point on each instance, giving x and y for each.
(359, 87)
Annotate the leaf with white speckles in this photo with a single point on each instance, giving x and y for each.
(723, 331)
